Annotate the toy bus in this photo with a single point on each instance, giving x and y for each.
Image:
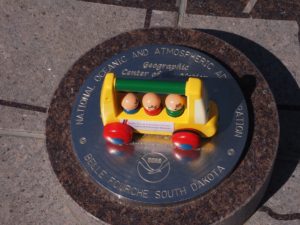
(198, 117)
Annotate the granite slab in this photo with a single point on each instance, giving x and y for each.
(170, 5)
(20, 119)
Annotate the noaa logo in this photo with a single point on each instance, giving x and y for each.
(153, 167)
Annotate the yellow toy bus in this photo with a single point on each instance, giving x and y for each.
(198, 118)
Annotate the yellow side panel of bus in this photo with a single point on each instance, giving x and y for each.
(108, 105)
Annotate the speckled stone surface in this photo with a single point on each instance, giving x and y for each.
(215, 7)
(268, 9)
(169, 5)
(40, 40)
(22, 119)
(263, 9)
(233, 201)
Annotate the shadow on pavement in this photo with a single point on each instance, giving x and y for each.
(287, 95)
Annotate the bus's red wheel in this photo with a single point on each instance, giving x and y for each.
(117, 133)
(186, 140)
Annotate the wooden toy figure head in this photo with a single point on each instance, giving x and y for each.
(130, 103)
(151, 103)
(174, 104)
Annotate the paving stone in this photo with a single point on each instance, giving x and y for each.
(284, 204)
(261, 218)
(286, 199)
(272, 45)
(169, 5)
(20, 119)
(285, 181)
(276, 9)
(283, 194)
(40, 40)
(30, 192)
(163, 18)
(216, 8)
(265, 9)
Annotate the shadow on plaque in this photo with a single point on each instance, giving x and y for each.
(287, 95)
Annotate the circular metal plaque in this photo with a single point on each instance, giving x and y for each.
(150, 170)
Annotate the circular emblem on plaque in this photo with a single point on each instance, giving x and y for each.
(150, 168)
(153, 167)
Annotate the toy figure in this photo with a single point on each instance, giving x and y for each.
(174, 104)
(130, 103)
(152, 104)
